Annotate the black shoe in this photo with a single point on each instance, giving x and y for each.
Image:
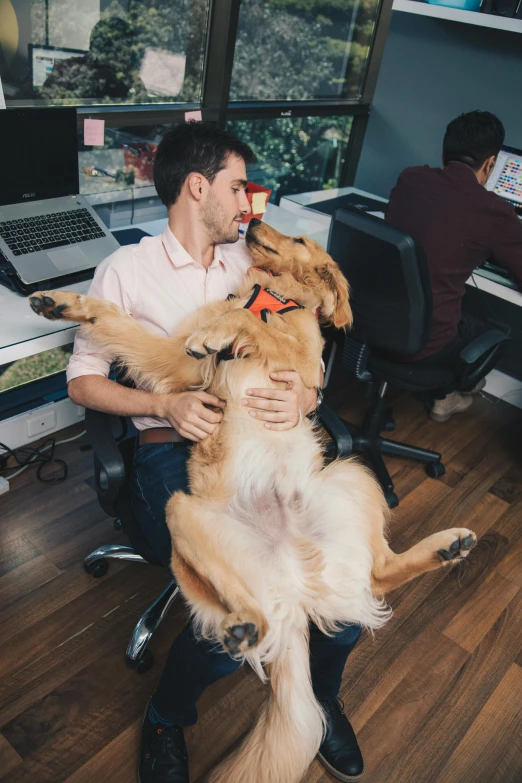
(339, 752)
(163, 757)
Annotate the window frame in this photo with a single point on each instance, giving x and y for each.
(223, 20)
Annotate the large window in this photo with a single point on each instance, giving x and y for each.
(117, 178)
(302, 49)
(295, 154)
(88, 52)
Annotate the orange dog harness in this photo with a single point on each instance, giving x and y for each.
(262, 302)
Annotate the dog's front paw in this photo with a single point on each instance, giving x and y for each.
(207, 341)
(240, 632)
(54, 305)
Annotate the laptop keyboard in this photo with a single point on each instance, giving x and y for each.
(28, 235)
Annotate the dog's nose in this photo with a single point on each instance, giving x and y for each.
(255, 222)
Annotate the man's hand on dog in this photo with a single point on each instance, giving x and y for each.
(188, 414)
(281, 409)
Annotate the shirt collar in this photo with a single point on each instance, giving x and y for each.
(179, 256)
(463, 172)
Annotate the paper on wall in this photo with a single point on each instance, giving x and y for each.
(94, 132)
(259, 203)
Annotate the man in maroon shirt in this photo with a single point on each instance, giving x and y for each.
(459, 224)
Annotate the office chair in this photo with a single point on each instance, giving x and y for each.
(112, 466)
(391, 303)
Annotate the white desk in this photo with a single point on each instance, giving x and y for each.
(300, 201)
(23, 333)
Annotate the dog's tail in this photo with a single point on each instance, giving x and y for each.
(288, 732)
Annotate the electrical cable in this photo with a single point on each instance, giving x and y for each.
(25, 457)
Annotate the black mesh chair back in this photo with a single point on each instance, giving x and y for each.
(390, 295)
(390, 291)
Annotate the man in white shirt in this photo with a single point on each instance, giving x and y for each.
(200, 175)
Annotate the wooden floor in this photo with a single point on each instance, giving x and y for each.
(435, 697)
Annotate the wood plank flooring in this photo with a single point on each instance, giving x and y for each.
(435, 697)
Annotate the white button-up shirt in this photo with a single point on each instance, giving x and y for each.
(159, 284)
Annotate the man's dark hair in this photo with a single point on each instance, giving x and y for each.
(193, 147)
(472, 138)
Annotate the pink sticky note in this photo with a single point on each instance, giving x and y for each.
(193, 115)
(94, 132)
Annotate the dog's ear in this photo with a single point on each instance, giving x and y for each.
(336, 307)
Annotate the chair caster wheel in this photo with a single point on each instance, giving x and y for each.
(97, 569)
(435, 469)
(392, 500)
(389, 421)
(117, 524)
(143, 664)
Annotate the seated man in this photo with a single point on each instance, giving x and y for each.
(200, 175)
(460, 225)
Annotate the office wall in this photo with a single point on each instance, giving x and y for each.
(432, 71)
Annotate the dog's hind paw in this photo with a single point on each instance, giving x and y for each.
(454, 544)
(240, 632)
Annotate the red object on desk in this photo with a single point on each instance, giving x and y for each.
(253, 188)
(140, 157)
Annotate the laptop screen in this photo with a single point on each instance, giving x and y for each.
(506, 177)
(39, 154)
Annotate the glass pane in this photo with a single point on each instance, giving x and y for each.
(297, 154)
(117, 178)
(88, 52)
(33, 368)
(302, 49)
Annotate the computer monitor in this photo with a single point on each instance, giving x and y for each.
(506, 177)
(40, 154)
(43, 58)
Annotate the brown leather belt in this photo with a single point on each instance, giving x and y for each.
(160, 435)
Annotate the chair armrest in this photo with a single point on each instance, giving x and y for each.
(336, 428)
(482, 344)
(109, 467)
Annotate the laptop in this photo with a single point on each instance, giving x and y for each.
(49, 235)
(506, 177)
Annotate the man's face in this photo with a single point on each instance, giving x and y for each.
(226, 202)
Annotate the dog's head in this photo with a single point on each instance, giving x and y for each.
(309, 265)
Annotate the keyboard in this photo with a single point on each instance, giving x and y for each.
(497, 273)
(489, 266)
(28, 235)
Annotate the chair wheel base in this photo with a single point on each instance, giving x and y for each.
(391, 499)
(143, 664)
(435, 469)
(97, 569)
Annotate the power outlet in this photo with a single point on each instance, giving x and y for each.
(40, 423)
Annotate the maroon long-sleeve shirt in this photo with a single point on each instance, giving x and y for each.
(459, 224)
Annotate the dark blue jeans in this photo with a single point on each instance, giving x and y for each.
(192, 665)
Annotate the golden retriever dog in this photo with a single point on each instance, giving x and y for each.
(269, 539)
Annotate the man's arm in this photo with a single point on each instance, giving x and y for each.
(186, 412)
(89, 366)
(507, 244)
